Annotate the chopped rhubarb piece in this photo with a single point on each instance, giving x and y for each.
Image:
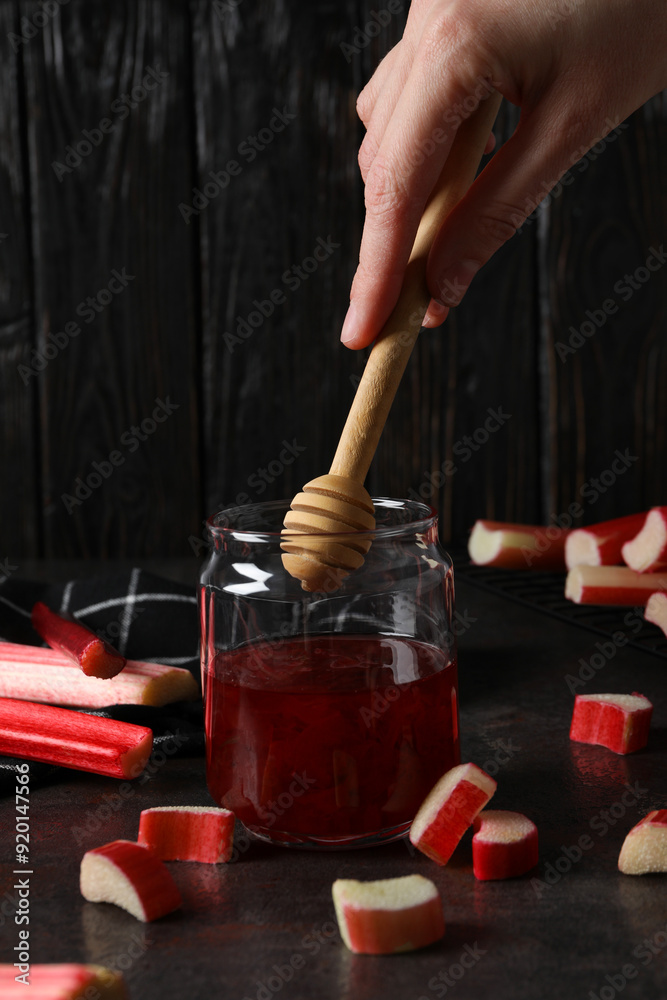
(62, 982)
(130, 876)
(504, 844)
(95, 657)
(449, 809)
(188, 833)
(656, 611)
(73, 739)
(393, 914)
(620, 722)
(37, 674)
(645, 847)
(517, 546)
(612, 585)
(601, 544)
(647, 552)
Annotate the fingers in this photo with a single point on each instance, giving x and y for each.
(544, 146)
(369, 95)
(399, 182)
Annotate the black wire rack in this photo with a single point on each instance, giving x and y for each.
(546, 592)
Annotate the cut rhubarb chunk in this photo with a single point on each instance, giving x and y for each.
(73, 739)
(645, 847)
(647, 553)
(449, 809)
(656, 611)
(504, 845)
(601, 544)
(620, 722)
(393, 914)
(612, 585)
(62, 982)
(188, 833)
(517, 546)
(37, 674)
(130, 876)
(94, 656)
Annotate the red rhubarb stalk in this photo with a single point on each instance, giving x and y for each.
(73, 739)
(620, 722)
(612, 585)
(35, 673)
(95, 657)
(449, 809)
(391, 915)
(656, 611)
(61, 982)
(647, 552)
(130, 876)
(601, 544)
(645, 847)
(505, 844)
(517, 546)
(188, 833)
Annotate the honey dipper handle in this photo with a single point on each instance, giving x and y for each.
(387, 360)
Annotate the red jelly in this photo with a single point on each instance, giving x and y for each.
(329, 738)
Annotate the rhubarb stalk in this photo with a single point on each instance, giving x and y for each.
(73, 739)
(612, 585)
(656, 611)
(517, 546)
(130, 876)
(61, 982)
(95, 657)
(188, 833)
(34, 673)
(601, 544)
(647, 553)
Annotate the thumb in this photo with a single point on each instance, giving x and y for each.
(545, 144)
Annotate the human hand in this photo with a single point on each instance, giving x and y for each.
(576, 68)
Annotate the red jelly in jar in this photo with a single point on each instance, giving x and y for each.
(329, 717)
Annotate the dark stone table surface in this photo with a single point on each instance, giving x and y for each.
(264, 926)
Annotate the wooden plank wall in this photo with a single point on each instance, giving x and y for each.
(232, 159)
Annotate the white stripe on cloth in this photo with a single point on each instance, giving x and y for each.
(126, 616)
(172, 661)
(15, 607)
(113, 602)
(67, 593)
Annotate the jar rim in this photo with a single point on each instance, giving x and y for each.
(237, 521)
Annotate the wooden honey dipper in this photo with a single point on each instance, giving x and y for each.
(338, 503)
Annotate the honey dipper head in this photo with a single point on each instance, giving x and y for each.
(327, 506)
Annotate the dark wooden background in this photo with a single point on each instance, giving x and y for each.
(229, 65)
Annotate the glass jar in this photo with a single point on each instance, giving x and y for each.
(329, 717)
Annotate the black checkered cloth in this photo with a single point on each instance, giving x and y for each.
(144, 616)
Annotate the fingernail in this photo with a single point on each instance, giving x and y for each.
(350, 326)
(455, 281)
(436, 314)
